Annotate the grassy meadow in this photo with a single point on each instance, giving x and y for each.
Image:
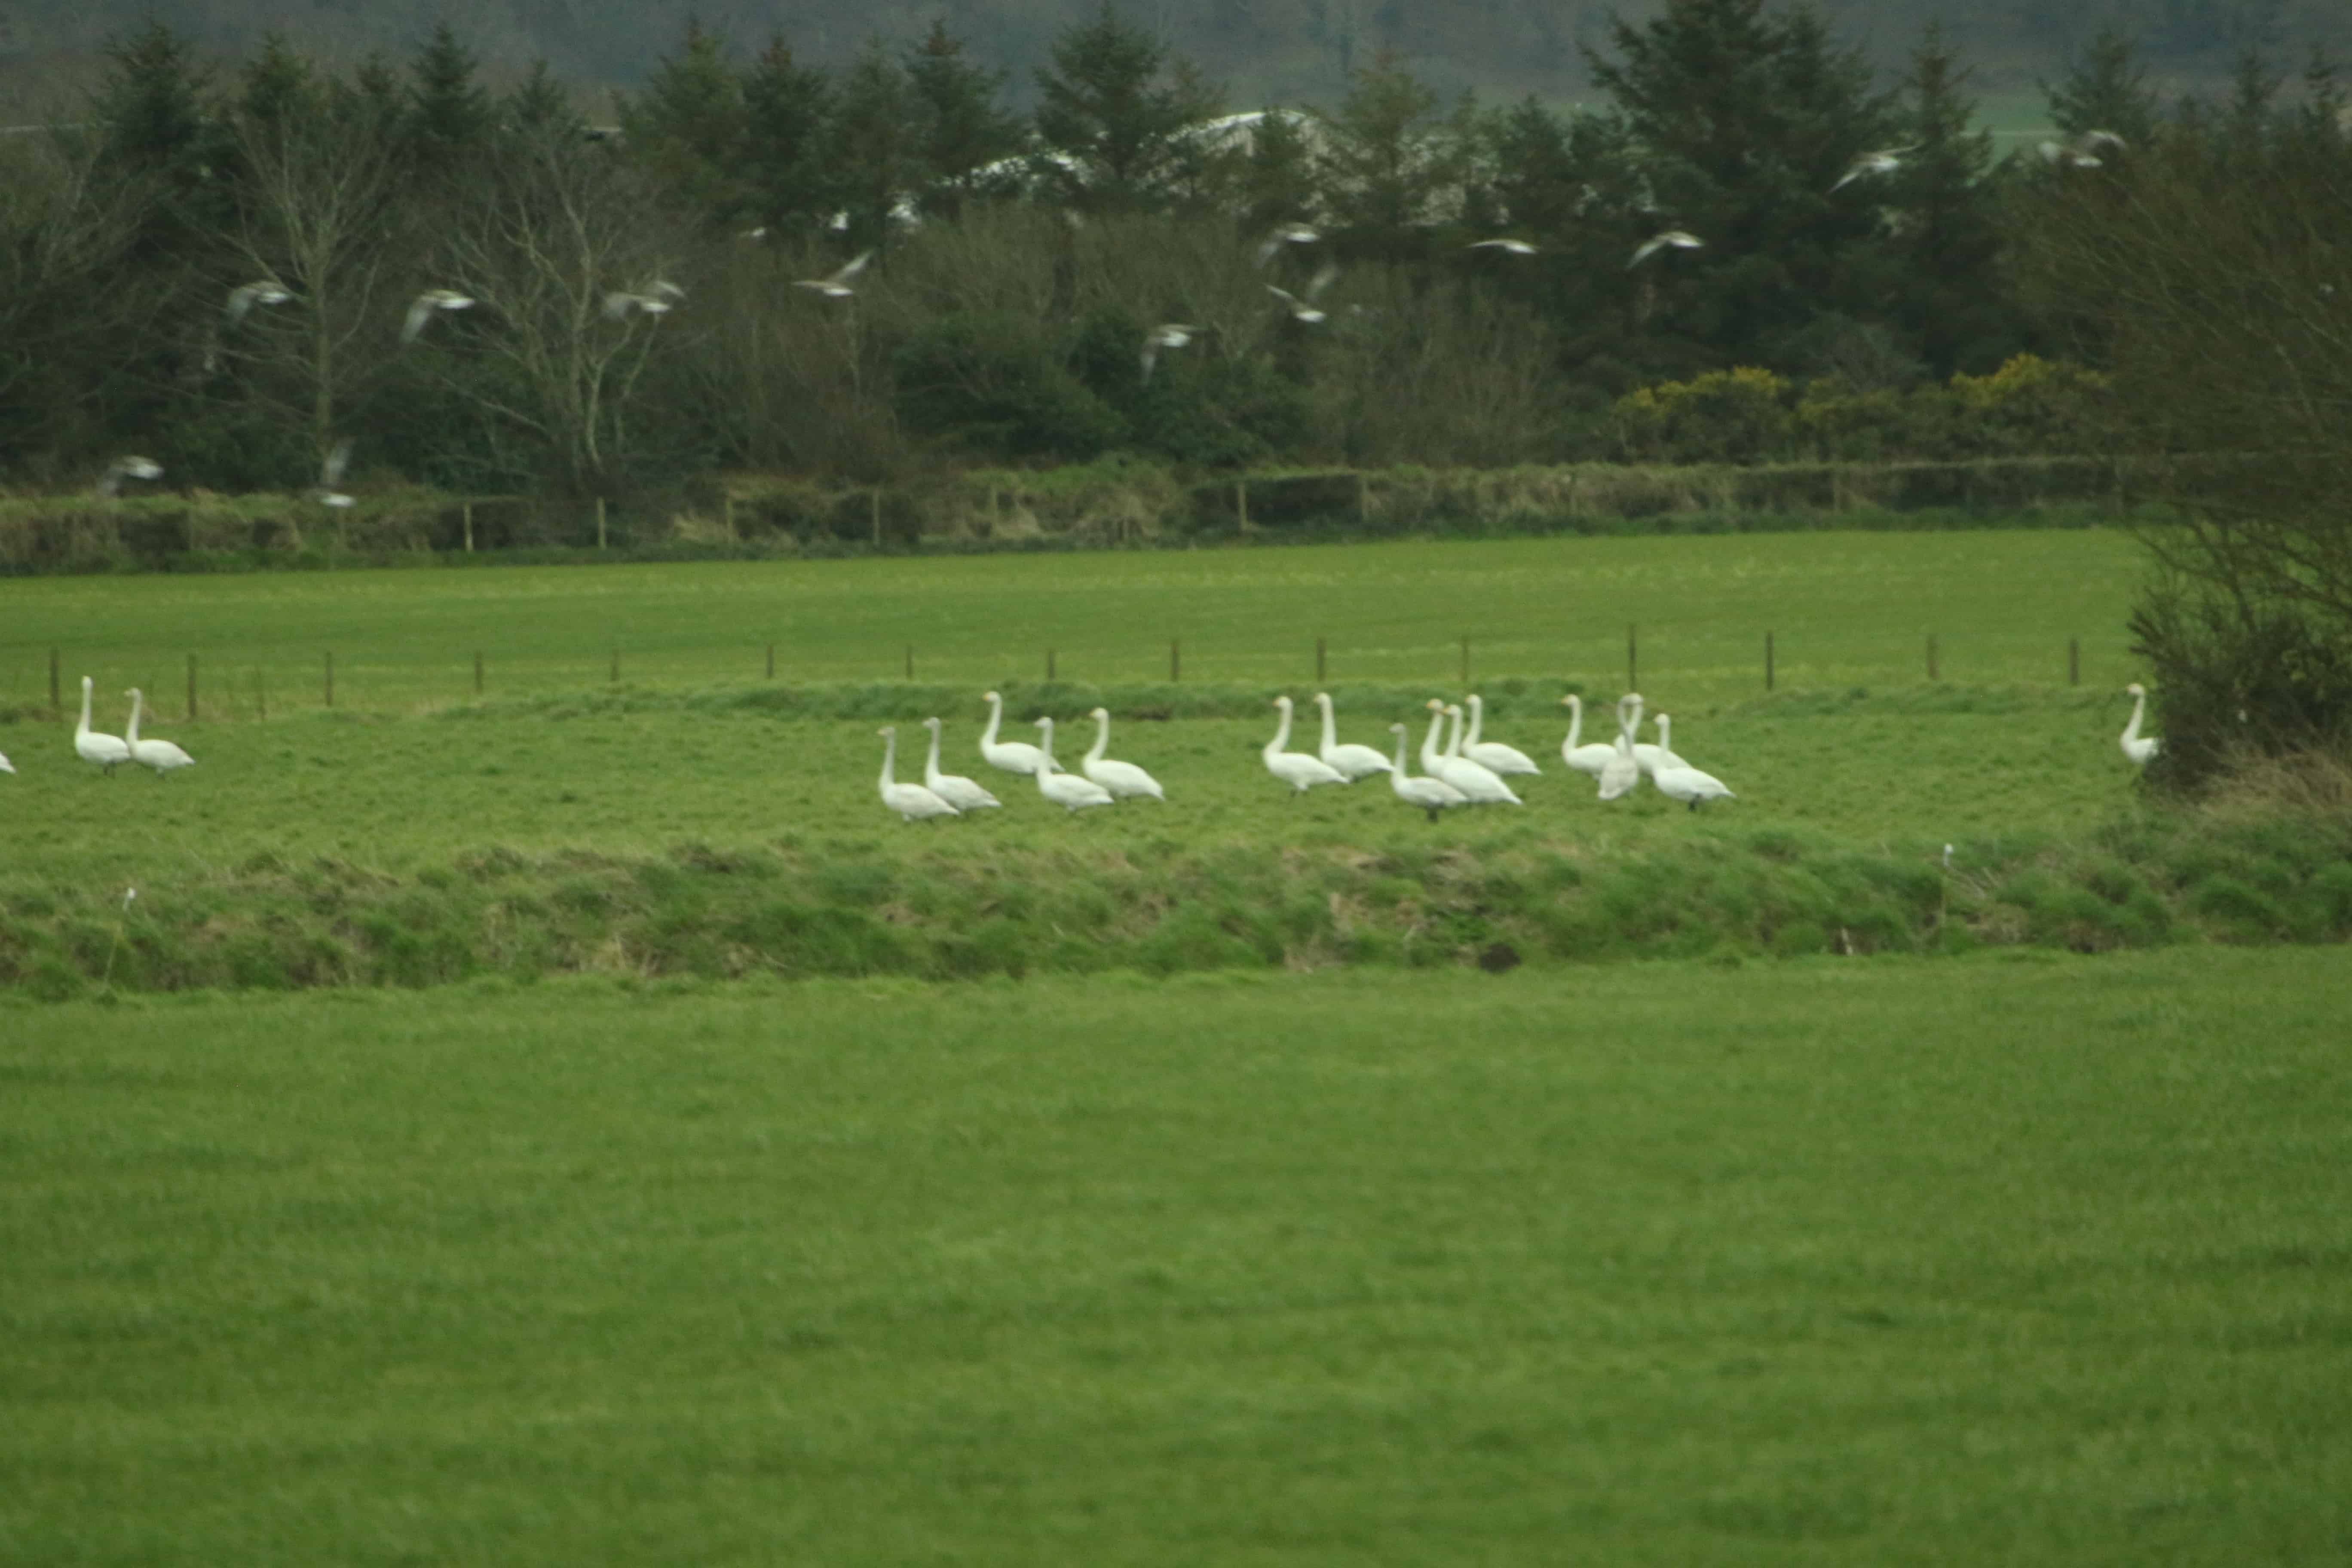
(1845, 609)
(676, 823)
(2017, 1258)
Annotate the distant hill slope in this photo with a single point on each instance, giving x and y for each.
(1264, 50)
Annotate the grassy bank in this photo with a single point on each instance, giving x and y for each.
(1822, 1262)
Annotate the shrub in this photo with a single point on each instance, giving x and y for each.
(1725, 416)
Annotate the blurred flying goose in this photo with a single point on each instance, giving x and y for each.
(1680, 239)
(261, 292)
(421, 309)
(1305, 309)
(835, 285)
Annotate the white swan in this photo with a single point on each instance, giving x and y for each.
(1493, 755)
(160, 755)
(1591, 758)
(1351, 762)
(1296, 769)
(1677, 780)
(2140, 748)
(1651, 758)
(421, 309)
(957, 791)
(1431, 794)
(1679, 239)
(909, 800)
(1473, 779)
(1013, 756)
(1305, 309)
(836, 285)
(1124, 780)
(5, 765)
(1068, 790)
(90, 746)
(1623, 774)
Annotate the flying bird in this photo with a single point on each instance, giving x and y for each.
(620, 302)
(121, 469)
(421, 309)
(2083, 152)
(1285, 234)
(1680, 239)
(1167, 335)
(330, 474)
(262, 292)
(835, 285)
(1305, 309)
(1512, 247)
(1886, 161)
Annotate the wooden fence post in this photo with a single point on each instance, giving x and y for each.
(466, 517)
(1241, 502)
(1768, 661)
(478, 672)
(260, 694)
(600, 527)
(1931, 656)
(330, 678)
(772, 661)
(2074, 661)
(192, 688)
(1465, 664)
(57, 708)
(874, 509)
(1175, 661)
(1632, 663)
(1318, 661)
(1049, 666)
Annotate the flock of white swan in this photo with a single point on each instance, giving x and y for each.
(1465, 771)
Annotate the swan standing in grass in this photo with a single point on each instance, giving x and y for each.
(1591, 758)
(1013, 756)
(1649, 758)
(160, 755)
(1623, 776)
(1351, 762)
(1431, 794)
(1474, 780)
(1068, 790)
(1124, 780)
(2140, 748)
(1677, 780)
(1493, 755)
(909, 800)
(90, 746)
(957, 791)
(1296, 769)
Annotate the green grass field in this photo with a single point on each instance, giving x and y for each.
(1891, 1261)
(1845, 609)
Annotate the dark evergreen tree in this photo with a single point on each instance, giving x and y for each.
(963, 126)
(1116, 106)
(538, 103)
(1943, 221)
(2104, 87)
(1746, 121)
(688, 125)
(789, 183)
(1389, 163)
(449, 112)
(876, 146)
(149, 107)
(1276, 180)
(277, 85)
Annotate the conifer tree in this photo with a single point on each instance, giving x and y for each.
(688, 127)
(1389, 163)
(876, 146)
(2104, 87)
(963, 124)
(788, 178)
(449, 112)
(1940, 209)
(1117, 105)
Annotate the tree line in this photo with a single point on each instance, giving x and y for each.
(1122, 268)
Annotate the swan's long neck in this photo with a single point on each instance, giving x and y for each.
(1045, 747)
(1400, 756)
(931, 763)
(1478, 719)
(1665, 723)
(995, 716)
(1627, 727)
(2139, 708)
(137, 706)
(1102, 739)
(1330, 733)
(1281, 741)
(1429, 742)
(83, 728)
(889, 758)
(1575, 718)
(1453, 746)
